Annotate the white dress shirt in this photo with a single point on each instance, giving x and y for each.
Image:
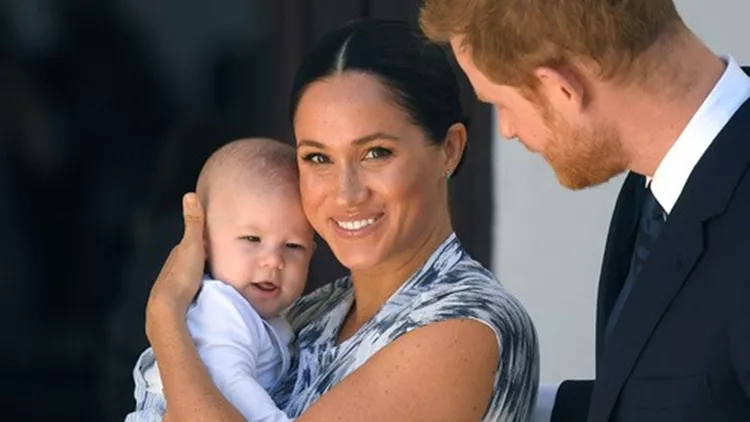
(729, 93)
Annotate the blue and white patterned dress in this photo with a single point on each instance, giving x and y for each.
(450, 285)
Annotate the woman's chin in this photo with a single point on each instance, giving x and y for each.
(357, 261)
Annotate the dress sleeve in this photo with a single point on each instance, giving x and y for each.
(478, 297)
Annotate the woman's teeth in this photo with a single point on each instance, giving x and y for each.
(355, 225)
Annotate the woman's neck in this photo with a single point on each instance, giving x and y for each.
(373, 287)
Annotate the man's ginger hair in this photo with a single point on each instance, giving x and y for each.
(508, 39)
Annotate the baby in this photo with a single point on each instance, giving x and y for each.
(258, 248)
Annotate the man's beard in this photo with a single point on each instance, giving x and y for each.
(583, 157)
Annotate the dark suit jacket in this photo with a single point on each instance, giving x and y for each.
(681, 348)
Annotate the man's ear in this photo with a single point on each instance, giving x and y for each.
(563, 88)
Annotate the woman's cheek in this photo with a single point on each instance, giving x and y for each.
(312, 191)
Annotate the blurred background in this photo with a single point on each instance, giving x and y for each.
(108, 109)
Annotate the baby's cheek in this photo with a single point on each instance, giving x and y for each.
(231, 266)
(298, 280)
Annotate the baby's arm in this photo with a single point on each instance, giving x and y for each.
(226, 332)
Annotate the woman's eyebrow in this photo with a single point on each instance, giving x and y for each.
(375, 136)
(310, 143)
(359, 141)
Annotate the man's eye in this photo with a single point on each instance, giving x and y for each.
(316, 158)
(378, 152)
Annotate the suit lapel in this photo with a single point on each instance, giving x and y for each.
(706, 194)
(618, 250)
(662, 277)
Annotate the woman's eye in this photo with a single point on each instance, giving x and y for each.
(377, 152)
(252, 239)
(316, 158)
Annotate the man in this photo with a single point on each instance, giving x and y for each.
(601, 87)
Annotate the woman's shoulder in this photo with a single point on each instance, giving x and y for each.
(469, 290)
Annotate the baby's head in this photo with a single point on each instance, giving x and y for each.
(257, 237)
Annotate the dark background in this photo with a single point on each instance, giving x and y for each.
(108, 109)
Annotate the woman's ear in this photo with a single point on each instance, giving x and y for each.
(453, 147)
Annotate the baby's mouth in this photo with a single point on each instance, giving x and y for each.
(265, 286)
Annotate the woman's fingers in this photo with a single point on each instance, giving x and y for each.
(192, 213)
(180, 276)
(191, 250)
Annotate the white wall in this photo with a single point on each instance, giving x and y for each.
(549, 241)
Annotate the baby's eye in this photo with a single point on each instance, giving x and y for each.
(316, 158)
(295, 246)
(377, 152)
(252, 239)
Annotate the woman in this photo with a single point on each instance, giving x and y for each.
(419, 331)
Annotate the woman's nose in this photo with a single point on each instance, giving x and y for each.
(351, 189)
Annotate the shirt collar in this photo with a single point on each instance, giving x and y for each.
(729, 93)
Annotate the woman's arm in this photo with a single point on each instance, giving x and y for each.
(441, 372)
(190, 393)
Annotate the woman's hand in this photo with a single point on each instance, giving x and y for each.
(180, 277)
(191, 394)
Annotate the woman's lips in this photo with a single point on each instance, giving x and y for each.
(358, 226)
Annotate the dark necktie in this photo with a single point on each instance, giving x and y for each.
(649, 228)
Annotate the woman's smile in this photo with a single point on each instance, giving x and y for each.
(357, 227)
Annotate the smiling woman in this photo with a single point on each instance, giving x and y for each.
(364, 179)
(379, 130)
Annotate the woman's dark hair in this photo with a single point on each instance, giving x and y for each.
(416, 71)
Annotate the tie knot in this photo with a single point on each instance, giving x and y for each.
(651, 209)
